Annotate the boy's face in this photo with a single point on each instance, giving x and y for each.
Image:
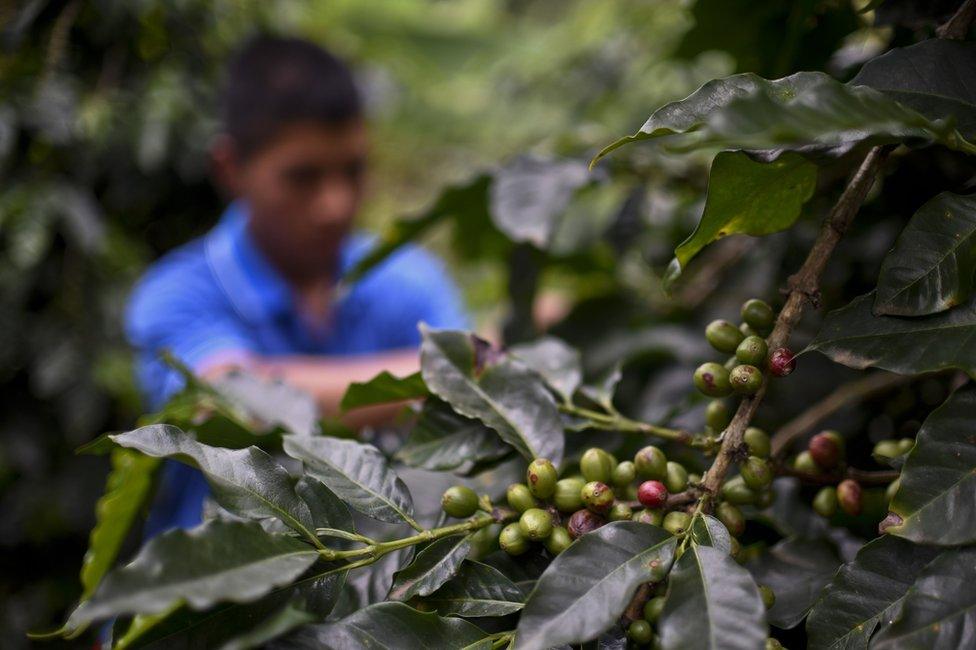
(303, 189)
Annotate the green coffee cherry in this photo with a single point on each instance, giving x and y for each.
(520, 498)
(484, 541)
(677, 522)
(717, 415)
(723, 336)
(905, 445)
(652, 517)
(732, 517)
(512, 540)
(756, 472)
(745, 379)
(773, 644)
(758, 315)
(757, 441)
(597, 496)
(460, 501)
(753, 350)
(736, 491)
(536, 524)
(651, 463)
(694, 479)
(730, 363)
(623, 474)
(620, 512)
(804, 463)
(892, 488)
(767, 595)
(558, 541)
(825, 501)
(712, 379)
(640, 632)
(887, 449)
(747, 330)
(653, 608)
(676, 479)
(566, 496)
(735, 548)
(596, 465)
(541, 477)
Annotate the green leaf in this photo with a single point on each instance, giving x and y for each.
(712, 604)
(931, 77)
(796, 570)
(935, 500)
(126, 491)
(748, 197)
(939, 611)
(932, 265)
(806, 111)
(271, 403)
(494, 388)
(327, 510)
(442, 440)
(855, 337)
(217, 561)
(530, 195)
(477, 590)
(357, 473)
(863, 591)
(555, 361)
(464, 200)
(587, 587)
(284, 620)
(432, 567)
(383, 388)
(393, 626)
(247, 482)
(709, 531)
(601, 391)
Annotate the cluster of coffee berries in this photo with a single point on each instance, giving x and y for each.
(751, 486)
(743, 372)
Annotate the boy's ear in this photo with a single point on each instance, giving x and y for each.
(226, 164)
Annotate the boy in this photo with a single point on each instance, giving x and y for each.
(258, 290)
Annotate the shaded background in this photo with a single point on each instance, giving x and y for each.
(107, 107)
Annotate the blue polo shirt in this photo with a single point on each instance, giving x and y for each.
(218, 299)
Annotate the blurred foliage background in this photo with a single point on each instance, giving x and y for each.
(107, 109)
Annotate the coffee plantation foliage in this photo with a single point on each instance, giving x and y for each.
(769, 444)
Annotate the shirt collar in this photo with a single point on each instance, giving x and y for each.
(252, 284)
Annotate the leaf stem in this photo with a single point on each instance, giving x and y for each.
(618, 422)
(376, 550)
(803, 289)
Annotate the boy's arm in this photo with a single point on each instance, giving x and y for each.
(328, 377)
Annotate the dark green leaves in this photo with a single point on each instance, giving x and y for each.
(712, 604)
(432, 567)
(939, 611)
(394, 626)
(931, 267)
(442, 440)
(220, 560)
(495, 388)
(750, 198)
(555, 361)
(529, 195)
(855, 337)
(804, 111)
(357, 473)
(383, 388)
(126, 491)
(863, 591)
(588, 586)
(796, 570)
(932, 77)
(477, 590)
(938, 482)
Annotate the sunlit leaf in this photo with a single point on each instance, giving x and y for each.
(383, 388)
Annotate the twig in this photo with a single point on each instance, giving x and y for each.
(635, 610)
(845, 395)
(803, 288)
(958, 26)
(617, 422)
(864, 477)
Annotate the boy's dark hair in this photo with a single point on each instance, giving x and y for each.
(273, 81)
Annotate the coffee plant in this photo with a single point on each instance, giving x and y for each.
(540, 512)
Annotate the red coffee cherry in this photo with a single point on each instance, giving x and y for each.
(652, 494)
(782, 362)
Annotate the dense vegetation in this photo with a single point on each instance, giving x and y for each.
(618, 481)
